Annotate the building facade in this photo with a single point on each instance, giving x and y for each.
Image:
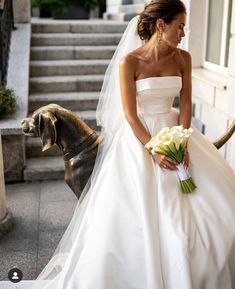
(211, 42)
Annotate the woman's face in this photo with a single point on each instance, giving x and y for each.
(174, 31)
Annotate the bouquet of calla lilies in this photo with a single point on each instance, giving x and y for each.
(172, 142)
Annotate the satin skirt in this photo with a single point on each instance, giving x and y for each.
(135, 229)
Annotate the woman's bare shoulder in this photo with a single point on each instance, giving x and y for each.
(183, 58)
(185, 54)
(133, 57)
(130, 61)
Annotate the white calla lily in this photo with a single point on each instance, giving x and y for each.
(172, 142)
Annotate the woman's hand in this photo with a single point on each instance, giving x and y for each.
(186, 158)
(165, 162)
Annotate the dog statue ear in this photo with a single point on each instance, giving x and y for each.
(47, 129)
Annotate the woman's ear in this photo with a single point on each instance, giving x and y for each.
(160, 24)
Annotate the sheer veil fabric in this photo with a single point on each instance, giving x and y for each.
(109, 115)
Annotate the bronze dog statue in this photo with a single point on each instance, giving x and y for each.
(77, 141)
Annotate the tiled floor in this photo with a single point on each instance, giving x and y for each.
(42, 211)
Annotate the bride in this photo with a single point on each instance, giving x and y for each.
(132, 227)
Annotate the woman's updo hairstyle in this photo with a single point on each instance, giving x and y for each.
(156, 9)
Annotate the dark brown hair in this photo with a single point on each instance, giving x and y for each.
(156, 9)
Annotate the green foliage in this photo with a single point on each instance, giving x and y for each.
(59, 5)
(87, 3)
(7, 101)
(50, 5)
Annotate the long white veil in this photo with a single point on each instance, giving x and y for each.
(109, 116)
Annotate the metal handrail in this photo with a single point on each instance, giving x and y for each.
(6, 26)
(224, 138)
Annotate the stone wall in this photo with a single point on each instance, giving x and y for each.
(18, 80)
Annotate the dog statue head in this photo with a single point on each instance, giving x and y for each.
(42, 124)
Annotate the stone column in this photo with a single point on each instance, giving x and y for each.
(22, 11)
(6, 218)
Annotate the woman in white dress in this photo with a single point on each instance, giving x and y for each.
(133, 228)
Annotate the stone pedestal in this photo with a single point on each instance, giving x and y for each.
(13, 147)
(6, 218)
(22, 11)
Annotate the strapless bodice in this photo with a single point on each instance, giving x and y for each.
(156, 94)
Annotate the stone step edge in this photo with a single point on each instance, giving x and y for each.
(69, 96)
(75, 35)
(44, 168)
(85, 114)
(87, 77)
(85, 22)
(83, 29)
(69, 62)
(75, 47)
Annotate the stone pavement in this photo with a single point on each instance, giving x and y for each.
(42, 212)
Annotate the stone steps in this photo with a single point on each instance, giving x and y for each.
(44, 168)
(65, 39)
(119, 16)
(34, 149)
(68, 67)
(68, 62)
(77, 26)
(79, 101)
(47, 84)
(127, 8)
(72, 52)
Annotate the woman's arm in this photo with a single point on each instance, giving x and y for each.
(127, 68)
(185, 107)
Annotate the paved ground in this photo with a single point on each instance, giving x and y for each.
(42, 211)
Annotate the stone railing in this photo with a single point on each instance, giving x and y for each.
(6, 26)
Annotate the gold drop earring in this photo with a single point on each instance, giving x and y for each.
(159, 37)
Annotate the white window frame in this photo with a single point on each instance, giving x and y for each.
(219, 68)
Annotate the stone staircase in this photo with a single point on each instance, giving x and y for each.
(68, 62)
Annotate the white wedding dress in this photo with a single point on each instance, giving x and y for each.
(136, 230)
